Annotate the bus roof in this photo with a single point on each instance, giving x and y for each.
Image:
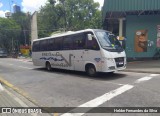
(68, 33)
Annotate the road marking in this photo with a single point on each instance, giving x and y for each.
(24, 60)
(143, 79)
(154, 75)
(102, 99)
(21, 66)
(1, 87)
(114, 83)
(25, 67)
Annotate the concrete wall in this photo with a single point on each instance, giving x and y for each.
(134, 23)
(34, 31)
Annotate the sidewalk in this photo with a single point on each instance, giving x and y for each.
(146, 66)
(25, 59)
(12, 103)
(9, 100)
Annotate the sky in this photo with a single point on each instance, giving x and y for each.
(26, 5)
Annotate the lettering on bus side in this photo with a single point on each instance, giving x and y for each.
(50, 56)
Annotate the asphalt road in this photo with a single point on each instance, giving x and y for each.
(61, 88)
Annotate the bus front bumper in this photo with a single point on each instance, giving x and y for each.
(111, 65)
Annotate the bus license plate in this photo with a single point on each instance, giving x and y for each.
(120, 63)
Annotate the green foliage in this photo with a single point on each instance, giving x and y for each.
(52, 2)
(81, 14)
(14, 31)
(23, 20)
(47, 19)
(53, 17)
(9, 32)
(68, 15)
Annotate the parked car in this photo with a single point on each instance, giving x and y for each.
(3, 52)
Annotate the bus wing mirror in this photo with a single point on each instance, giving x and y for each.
(89, 37)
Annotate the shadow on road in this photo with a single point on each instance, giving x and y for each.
(78, 74)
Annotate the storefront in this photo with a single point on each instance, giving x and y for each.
(138, 21)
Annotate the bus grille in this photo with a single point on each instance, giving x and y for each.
(119, 61)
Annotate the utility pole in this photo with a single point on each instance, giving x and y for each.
(34, 29)
(24, 32)
(12, 44)
(65, 20)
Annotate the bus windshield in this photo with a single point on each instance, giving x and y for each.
(108, 41)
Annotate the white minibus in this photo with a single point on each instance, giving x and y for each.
(90, 50)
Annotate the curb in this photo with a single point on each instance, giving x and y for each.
(23, 94)
(25, 59)
(141, 71)
(1, 87)
(134, 62)
(3, 81)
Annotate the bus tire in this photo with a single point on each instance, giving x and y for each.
(48, 66)
(91, 70)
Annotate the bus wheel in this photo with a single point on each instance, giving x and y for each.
(48, 66)
(91, 70)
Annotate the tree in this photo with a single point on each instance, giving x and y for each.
(48, 20)
(9, 32)
(23, 19)
(81, 14)
(52, 2)
(68, 14)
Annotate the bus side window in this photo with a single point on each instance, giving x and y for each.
(91, 44)
(67, 43)
(58, 43)
(35, 46)
(51, 44)
(43, 45)
(79, 41)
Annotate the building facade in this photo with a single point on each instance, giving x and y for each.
(16, 8)
(136, 20)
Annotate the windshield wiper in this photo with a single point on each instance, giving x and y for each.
(108, 46)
